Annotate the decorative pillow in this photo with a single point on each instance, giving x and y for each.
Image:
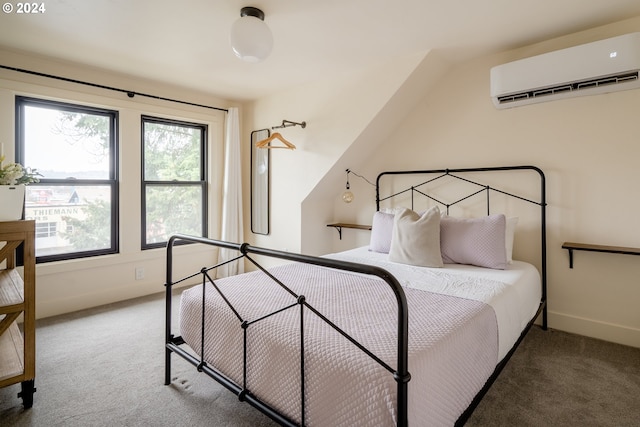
(381, 231)
(416, 238)
(509, 235)
(475, 241)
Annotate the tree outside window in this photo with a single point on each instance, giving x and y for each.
(174, 180)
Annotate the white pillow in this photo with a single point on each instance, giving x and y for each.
(382, 229)
(416, 238)
(509, 234)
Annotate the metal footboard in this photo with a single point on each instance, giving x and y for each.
(173, 344)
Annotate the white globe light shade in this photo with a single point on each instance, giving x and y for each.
(251, 39)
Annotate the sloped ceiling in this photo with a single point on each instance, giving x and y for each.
(185, 43)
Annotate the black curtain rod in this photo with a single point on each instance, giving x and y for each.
(129, 93)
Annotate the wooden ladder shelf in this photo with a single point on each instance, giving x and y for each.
(17, 297)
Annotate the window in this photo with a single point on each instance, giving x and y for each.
(75, 204)
(174, 187)
(45, 229)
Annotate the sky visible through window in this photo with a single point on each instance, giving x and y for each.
(53, 149)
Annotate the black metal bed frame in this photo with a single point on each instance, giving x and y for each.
(173, 344)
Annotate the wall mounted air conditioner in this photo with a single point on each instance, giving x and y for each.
(603, 66)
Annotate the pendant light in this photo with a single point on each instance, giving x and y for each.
(250, 37)
(347, 196)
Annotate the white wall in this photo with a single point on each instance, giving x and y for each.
(336, 111)
(587, 146)
(76, 284)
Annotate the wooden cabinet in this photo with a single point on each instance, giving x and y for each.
(17, 299)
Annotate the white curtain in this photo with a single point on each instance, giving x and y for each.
(232, 196)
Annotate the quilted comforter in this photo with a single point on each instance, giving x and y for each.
(453, 345)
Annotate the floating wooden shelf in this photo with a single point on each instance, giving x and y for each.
(340, 225)
(570, 246)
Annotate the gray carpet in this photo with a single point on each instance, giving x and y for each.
(104, 367)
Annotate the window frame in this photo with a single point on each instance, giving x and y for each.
(144, 184)
(113, 181)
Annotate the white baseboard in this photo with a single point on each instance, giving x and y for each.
(595, 329)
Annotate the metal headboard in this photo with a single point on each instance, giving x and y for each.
(425, 177)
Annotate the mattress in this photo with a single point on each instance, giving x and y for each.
(460, 318)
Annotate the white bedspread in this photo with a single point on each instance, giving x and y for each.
(514, 293)
(454, 336)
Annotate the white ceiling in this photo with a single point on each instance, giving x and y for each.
(186, 42)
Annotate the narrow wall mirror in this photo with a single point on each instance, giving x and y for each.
(260, 159)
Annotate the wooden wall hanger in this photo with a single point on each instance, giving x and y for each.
(265, 143)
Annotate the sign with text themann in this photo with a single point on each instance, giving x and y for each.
(57, 212)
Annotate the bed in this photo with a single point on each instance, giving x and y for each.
(372, 336)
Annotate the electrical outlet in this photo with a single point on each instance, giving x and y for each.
(139, 273)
